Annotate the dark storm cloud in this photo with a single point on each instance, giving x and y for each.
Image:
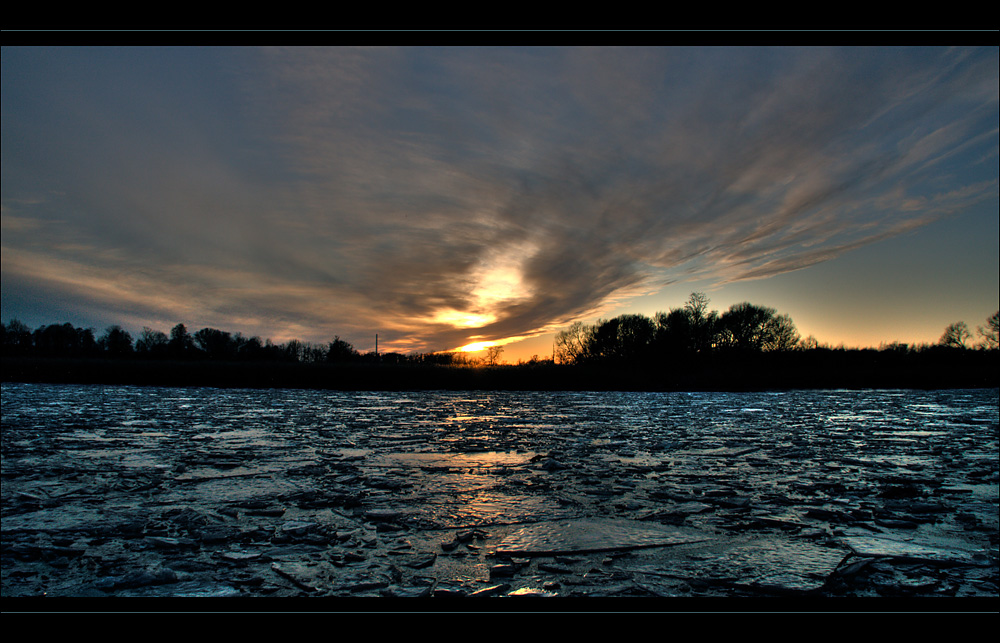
(440, 194)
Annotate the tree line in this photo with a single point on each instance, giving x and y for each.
(694, 330)
(632, 339)
(65, 340)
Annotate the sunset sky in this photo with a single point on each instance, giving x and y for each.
(441, 196)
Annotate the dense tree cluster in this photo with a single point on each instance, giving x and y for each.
(685, 331)
(64, 340)
(693, 329)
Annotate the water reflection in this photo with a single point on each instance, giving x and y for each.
(483, 487)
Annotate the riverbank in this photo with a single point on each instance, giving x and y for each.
(814, 369)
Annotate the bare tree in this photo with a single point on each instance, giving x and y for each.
(702, 324)
(990, 332)
(956, 335)
(697, 306)
(152, 342)
(780, 334)
(745, 326)
(571, 343)
(493, 354)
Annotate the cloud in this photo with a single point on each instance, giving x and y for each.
(440, 194)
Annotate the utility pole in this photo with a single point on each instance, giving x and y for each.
(376, 344)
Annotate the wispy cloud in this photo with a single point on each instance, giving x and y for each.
(440, 194)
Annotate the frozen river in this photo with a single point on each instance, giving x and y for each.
(117, 490)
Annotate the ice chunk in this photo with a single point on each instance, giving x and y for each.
(873, 546)
(589, 535)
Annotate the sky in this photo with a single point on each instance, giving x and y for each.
(447, 196)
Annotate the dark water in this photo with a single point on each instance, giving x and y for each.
(804, 472)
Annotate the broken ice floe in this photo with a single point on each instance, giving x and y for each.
(588, 535)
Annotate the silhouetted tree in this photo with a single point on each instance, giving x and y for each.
(745, 326)
(493, 354)
(704, 323)
(780, 334)
(274, 351)
(116, 342)
(215, 343)
(17, 338)
(293, 350)
(623, 338)
(181, 345)
(63, 340)
(340, 351)
(313, 353)
(990, 332)
(689, 329)
(571, 343)
(955, 335)
(674, 333)
(54, 339)
(697, 305)
(250, 348)
(152, 343)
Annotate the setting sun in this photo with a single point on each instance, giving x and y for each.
(476, 346)
(459, 319)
